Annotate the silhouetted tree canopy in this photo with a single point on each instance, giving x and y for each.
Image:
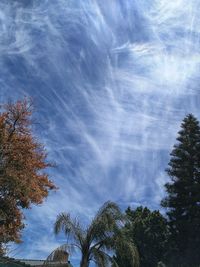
(148, 231)
(183, 195)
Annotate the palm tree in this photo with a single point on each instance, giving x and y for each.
(97, 240)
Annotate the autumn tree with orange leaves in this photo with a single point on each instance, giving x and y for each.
(23, 161)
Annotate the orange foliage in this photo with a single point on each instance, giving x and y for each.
(23, 180)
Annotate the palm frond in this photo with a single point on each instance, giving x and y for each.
(63, 223)
(101, 258)
(123, 244)
(101, 237)
(71, 227)
(106, 220)
(108, 208)
(66, 248)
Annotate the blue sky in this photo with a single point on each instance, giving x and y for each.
(111, 81)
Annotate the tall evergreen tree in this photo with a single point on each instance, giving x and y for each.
(183, 200)
(149, 232)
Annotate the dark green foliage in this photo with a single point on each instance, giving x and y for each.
(123, 258)
(148, 230)
(183, 199)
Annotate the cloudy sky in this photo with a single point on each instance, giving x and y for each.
(111, 82)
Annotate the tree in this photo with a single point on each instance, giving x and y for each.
(22, 164)
(149, 232)
(96, 240)
(183, 194)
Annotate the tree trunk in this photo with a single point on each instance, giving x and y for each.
(84, 262)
